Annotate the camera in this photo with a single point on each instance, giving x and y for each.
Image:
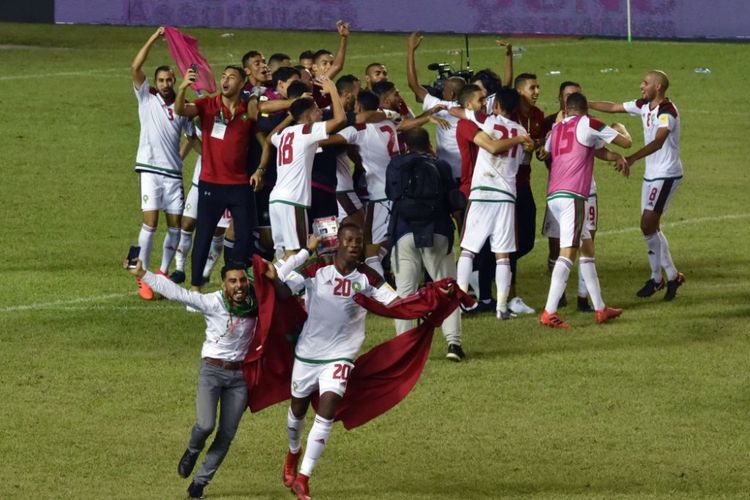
(444, 71)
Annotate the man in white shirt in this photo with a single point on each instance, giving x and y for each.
(159, 159)
(663, 174)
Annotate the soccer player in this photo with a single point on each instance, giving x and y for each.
(325, 351)
(447, 147)
(374, 73)
(573, 143)
(306, 59)
(349, 204)
(296, 146)
(326, 65)
(256, 70)
(663, 174)
(158, 162)
(491, 211)
(278, 60)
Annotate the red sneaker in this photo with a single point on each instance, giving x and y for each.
(300, 487)
(606, 314)
(289, 474)
(144, 290)
(552, 320)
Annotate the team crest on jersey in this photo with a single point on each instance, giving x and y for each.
(295, 385)
(244, 117)
(145, 198)
(356, 287)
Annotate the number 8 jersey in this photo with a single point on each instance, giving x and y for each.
(335, 326)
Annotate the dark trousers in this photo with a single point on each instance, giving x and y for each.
(525, 226)
(484, 263)
(213, 199)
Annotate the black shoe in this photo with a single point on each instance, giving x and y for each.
(187, 463)
(455, 353)
(195, 490)
(488, 306)
(583, 305)
(673, 285)
(563, 302)
(177, 276)
(650, 288)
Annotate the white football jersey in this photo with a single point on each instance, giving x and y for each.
(335, 326)
(494, 177)
(378, 143)
(344, 181)
(296, 146)
(447, 147)
(664, 163)
(161, 129)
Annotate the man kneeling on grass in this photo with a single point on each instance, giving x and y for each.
(231, 316)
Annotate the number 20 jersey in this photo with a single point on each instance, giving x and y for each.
(335, 326)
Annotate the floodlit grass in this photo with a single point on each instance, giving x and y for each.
(98, 387)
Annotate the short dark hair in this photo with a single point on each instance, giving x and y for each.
(249, 55)
(232, 265)
(383, 87)
(455, 83)
(417, 139)
(300, 107)
(372, 65)
(568, 83)
(467, 92)
(489, 79)
(522, 78)
(348, 226)
(308, 54)
(296, 89)
(368, 101)
(161, 68)
(283, 74)
(346, 83)
(238, 69)
(508, 99)
(577, 101)
(278, 57)
(321, 53)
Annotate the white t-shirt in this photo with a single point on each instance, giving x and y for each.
(494, 177)
(296, 146)
(664, 163)
(161, 129)
(447, 146)
(378, 143)
(335, 326)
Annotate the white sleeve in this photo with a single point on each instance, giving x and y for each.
(631, 108)
(667, 121)
(275, 138)
(295, 281)
(293, 262)
(142, 92)
(318, 132)
(430, 101)
(349, 134)
(173, 291)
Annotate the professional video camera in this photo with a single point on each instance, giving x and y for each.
(444, 71)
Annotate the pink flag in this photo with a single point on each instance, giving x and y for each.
(184, 50)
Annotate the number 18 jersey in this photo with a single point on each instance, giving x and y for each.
(335, 326)
(296, 146)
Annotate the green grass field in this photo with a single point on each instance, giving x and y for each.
(97, 392)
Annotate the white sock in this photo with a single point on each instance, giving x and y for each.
(653, 242)
(582, 292)
(666, 258)
(214, 254)
(316, 443)
(464, 270)
(557, 283)
(171, 240)
(587, 268)
(374, 262)
(474, 283)
(146, 242)
(502, 283)
(183, 249)
(294, 428)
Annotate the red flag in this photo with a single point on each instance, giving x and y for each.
(184, 50)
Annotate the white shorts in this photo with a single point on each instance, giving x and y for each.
(569, 215)
(493, 220)
(191, 209)
(656, 194)
(348, 202)
(159, 192)
(327, 377)
(377, 218)
(551, 229)
(288, 225)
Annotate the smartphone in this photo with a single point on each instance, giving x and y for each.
(133, 254)
(194, 67)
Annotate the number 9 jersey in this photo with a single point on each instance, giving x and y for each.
(335, 326)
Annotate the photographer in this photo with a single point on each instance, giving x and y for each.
(423, 192)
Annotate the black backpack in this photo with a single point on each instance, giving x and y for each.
(417, 190)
